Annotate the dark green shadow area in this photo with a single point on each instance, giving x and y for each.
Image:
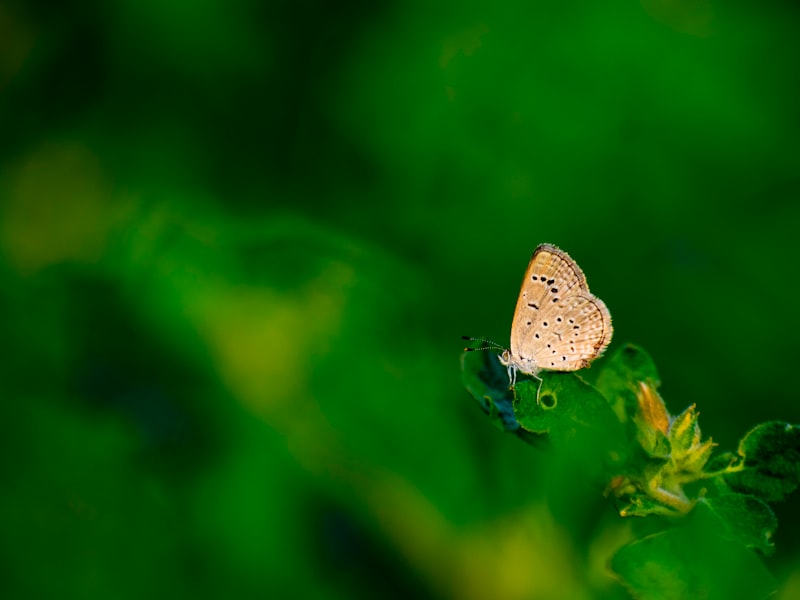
(239, 242)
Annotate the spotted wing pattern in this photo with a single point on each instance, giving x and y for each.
(558, 324)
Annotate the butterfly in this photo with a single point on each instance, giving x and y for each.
(558, 325)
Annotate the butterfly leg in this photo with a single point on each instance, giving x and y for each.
(512, 376)
(538, 389)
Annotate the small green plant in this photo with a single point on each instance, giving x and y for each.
(713, 507)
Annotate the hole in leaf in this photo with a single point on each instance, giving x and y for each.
(548, 400)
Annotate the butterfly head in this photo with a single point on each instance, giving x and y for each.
(508, 359)
(517, 363)
(522, 363)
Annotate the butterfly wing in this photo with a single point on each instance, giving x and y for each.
(558, 324)
(582, 331)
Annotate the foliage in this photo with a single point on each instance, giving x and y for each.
(239, 239)
(716, 507)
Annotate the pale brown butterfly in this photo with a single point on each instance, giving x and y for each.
(559, 325)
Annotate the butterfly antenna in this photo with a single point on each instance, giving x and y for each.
(487, 344)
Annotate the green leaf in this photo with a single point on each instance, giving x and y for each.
(618, 377)
(721, 461)
(574, 414)
(487, 382)
(642, 505)
(748, 519)
(692, 561)
(770, 465)
(654, 443)
(565, 405)
(684, 433)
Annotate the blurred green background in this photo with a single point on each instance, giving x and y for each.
(240, 242)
